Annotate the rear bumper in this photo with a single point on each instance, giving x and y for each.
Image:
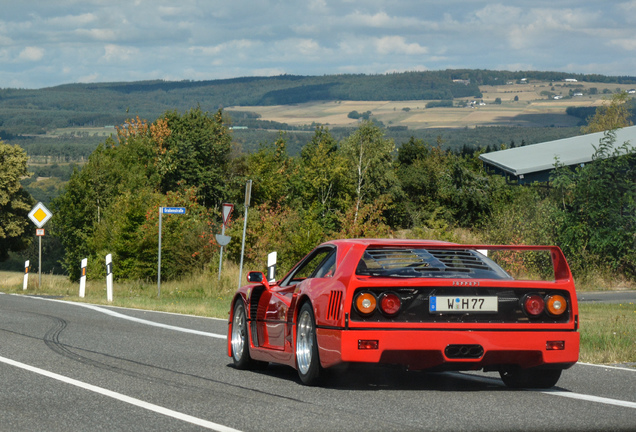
(427, 349)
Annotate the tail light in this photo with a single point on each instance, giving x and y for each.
(390, 303)
(533, 305)
(365, 303)
(556, 305)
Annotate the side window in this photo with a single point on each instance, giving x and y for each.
(328, 266)
(317, 265)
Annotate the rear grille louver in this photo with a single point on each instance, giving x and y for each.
(333, 311)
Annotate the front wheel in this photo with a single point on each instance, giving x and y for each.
(307, 360)
(240, 341)
(530, 378)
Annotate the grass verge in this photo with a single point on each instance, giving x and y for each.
(608, 331)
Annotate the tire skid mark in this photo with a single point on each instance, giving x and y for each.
(52, 341)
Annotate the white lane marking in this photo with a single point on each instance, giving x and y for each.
(590, 398)
(607, 366)
(118, 396)
(138, 320)
(567, 394)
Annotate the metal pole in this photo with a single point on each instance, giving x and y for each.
(221, 254)
(40, 265)
(159, 259)
(248, 191)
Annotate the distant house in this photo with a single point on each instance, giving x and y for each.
(570, 80)
(534, 163)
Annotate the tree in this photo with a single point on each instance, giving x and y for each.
(195, 150)
(599, 202)
(370, 159)
(322, 175)
(612, 116)
(272, 171)
(111, 205)
(15, 202)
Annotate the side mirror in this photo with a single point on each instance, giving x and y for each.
(257, 277)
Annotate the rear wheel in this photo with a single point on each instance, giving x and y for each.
(307, 361)
(240, 341)
(530, 378)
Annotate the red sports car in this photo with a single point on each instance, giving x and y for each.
(421, 304)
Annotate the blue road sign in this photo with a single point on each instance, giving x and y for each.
(173, 210)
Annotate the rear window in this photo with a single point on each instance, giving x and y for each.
(428, 263)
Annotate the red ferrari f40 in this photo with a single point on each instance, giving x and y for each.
(426, 305)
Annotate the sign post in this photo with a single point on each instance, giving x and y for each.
(248, 192)
(222, 239)
(40, 215)
(164, 210)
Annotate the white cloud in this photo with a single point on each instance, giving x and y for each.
(398, 45)
(69, 21)
(118, 54)
(380, 20)
(31, 54)
(45, 43)
(626, 44)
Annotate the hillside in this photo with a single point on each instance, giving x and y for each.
(103, 104)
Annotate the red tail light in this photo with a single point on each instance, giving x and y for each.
(533, 304)
(390, 303)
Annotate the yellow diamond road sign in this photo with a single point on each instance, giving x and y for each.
(40, 215)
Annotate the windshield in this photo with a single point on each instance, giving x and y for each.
(428, 263)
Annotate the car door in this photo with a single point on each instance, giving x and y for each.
(274, 303)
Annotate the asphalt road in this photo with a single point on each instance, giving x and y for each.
(606, 297)
(66, 366)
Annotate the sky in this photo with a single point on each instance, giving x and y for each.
(44, 43)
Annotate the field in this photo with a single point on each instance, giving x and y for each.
(535, 107)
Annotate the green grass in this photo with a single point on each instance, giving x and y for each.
(608, 331)
(201, 294)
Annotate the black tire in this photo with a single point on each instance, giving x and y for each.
(530, 378)
(307, 360)
(240, 341)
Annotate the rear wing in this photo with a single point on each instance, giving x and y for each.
(523, 262)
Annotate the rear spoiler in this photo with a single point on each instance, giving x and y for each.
(559, 263)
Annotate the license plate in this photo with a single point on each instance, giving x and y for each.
(461, 304)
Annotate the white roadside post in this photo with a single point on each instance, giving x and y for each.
(26, 274)
(271, 267)
(248, 192)
(82, 291)
(222, 239)
(109, 277)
